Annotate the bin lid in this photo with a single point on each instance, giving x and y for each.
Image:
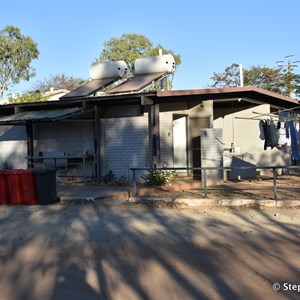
(28, 171)
(44, 171)
(19, 172)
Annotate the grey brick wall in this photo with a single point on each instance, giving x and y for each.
(126, 143)
(212, 152)
(166, 139)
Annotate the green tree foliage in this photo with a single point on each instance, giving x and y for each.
(230, 77)
(29, 97)
(129, 47)
(278, 80)
(265, 78)
(58, 81)
(16, 53)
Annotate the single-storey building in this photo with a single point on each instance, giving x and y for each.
(95, 129)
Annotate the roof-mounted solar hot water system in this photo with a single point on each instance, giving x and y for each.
(148, 70)
(102, 75)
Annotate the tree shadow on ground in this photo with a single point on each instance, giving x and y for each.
(130, 252)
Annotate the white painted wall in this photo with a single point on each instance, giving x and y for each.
(245, 135)
(74, 138)
(13, 146)
(180, 142)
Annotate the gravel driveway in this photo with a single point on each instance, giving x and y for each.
(131, 251)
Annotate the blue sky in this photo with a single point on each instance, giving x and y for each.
(208, 34)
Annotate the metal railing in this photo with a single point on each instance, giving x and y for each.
(205, 169)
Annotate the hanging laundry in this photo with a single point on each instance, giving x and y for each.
(284, 116)
(265, 129)
(294, 140)
(283, 130)
(261, 130)
(271, 134)
(284, 134)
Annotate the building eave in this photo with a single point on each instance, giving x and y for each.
(230, 93)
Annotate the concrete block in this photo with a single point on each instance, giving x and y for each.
(288, 203)
(266, 203)
(248, 202)
(237, 202)
(199, 202)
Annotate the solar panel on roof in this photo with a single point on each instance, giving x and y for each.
(136, 83)
(90, 88)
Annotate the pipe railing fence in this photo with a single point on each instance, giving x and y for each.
(205, 169)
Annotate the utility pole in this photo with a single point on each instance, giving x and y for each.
(290, 66)
(241, 75)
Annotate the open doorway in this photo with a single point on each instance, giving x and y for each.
(195, 126)
(180, 137)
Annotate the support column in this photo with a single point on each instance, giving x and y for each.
(208, 110)
(155, 128)
(30, 146)
(97, 143)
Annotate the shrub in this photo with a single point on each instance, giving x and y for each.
(109, 177)
(122, 181)
(160, 177)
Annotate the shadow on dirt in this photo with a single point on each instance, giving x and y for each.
(145, 252)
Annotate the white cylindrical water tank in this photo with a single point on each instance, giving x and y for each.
(155, 64)
(108, 69)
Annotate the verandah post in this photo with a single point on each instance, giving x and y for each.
(134, 184)
(274, 183)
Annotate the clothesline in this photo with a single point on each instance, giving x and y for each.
(262, 119)
(264, 114)
(250, 119)
(278, 130)
(288, 109)
(278, 111)
(271, 116)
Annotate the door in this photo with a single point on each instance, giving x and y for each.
(180, 142)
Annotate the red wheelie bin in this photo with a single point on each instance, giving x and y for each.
(14, 187)
(22, 188)
(29, 186)
(4, 192)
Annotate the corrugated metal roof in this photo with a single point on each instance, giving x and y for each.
(218, 95)
(39, 115)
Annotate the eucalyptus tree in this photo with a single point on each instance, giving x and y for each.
(58, 81)
(279, 80)
(129, 47)
(16, 54)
